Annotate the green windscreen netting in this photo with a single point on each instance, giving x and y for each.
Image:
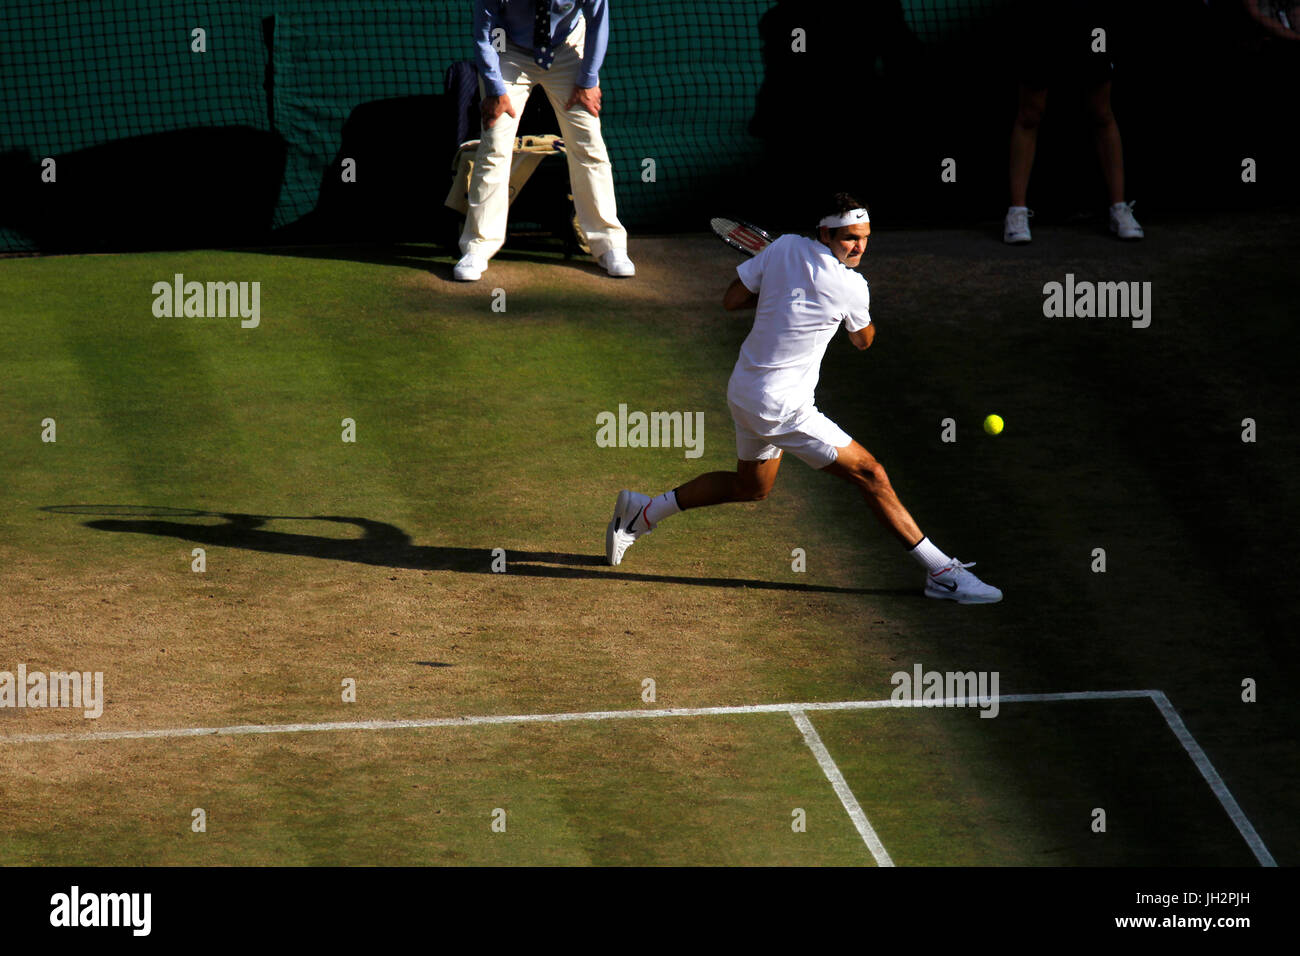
(175, 123)
(79, 74)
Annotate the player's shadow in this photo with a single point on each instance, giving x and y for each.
(386, 545)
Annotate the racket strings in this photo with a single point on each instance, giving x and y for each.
(748, 238)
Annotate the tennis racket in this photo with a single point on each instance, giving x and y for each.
(740, 235)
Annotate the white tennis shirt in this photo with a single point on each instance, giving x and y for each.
(804, 293)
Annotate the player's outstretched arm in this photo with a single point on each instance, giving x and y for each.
(739, 297)
(863, 338)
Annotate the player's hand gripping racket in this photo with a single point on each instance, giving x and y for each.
(741, 235)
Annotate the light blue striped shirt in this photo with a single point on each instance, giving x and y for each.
(517, 16)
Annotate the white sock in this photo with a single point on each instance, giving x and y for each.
(661, 507)
(930, 557)
(1014, 208)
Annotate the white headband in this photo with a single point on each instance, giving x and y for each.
(846, 219)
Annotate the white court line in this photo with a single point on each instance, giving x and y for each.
(1175, 723)
(1226, 800)
(841, 786)
(417, 723)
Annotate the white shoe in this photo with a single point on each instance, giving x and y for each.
(1122, 222)
(617, 264)
(627, 509)
(470, 268)
(955, 583)
(1015, 230)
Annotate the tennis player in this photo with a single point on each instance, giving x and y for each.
(803, 289)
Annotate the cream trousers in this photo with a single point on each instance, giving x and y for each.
(590, 173)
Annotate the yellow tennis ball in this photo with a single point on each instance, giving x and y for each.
(993, 424)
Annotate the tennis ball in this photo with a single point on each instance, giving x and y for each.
(993, 424)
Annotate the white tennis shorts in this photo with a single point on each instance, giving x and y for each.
(808, 435)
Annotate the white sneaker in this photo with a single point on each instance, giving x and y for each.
(470, 268)
(617, 264)
(1122, 222)
(1015, 230)
(955, 583)
(627, 509)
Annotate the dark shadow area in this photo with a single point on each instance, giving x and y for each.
(1204, 88)
(386, 545)
(1197, 88)
(181, 189)
(832, 107)
(403, 163)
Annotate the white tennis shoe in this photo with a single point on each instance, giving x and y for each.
(1122, 222)
(1015, 229)
(617, 264)
(955, 583)
(619, 536)
(470, 268)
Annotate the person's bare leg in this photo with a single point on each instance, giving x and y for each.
(946, 578)
(1024, 141)
(1110, 150)
(751, 481)
(856, 465)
